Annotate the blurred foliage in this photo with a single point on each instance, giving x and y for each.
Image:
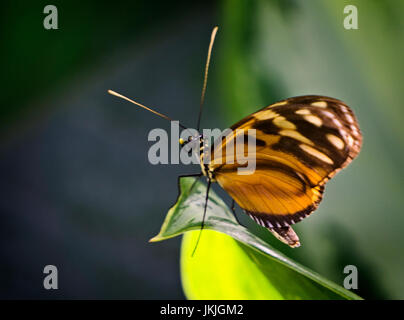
(241, 266)
(37, 62)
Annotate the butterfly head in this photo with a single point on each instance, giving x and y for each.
(192, 140)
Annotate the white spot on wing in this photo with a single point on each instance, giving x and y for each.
(354, 130)
(343, 133)
(281, 122)
(266, 114)
(321, 104)
(295, 135)
(303, 111)
(337, 122)
(335, 141)
(314, 120)
(277, 104)
(328, 114)
(350, 140)
(316, 153)
(349, 118)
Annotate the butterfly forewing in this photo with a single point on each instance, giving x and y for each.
(301, 142)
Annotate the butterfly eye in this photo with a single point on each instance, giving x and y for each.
(190, 138)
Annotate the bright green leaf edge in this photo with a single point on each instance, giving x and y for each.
(220, 218)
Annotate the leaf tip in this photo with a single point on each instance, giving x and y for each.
(156, 238)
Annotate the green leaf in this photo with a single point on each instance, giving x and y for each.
(231, 262)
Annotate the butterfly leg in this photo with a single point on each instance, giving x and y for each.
(233, 206)
(233, 209)
(203, 217)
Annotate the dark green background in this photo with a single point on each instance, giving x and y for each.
(77, 190)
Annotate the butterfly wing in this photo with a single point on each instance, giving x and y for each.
(301, 143)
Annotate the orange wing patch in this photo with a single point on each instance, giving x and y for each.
(274, 196)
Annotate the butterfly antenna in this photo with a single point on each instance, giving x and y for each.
(142, 106)
(203, 218)
(205, 79)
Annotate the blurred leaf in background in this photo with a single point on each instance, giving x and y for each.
(36, 61)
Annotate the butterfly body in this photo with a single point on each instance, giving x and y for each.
(301, 143)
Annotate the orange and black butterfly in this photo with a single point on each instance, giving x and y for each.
(300, 143)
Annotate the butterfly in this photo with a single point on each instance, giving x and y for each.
(300, 143)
